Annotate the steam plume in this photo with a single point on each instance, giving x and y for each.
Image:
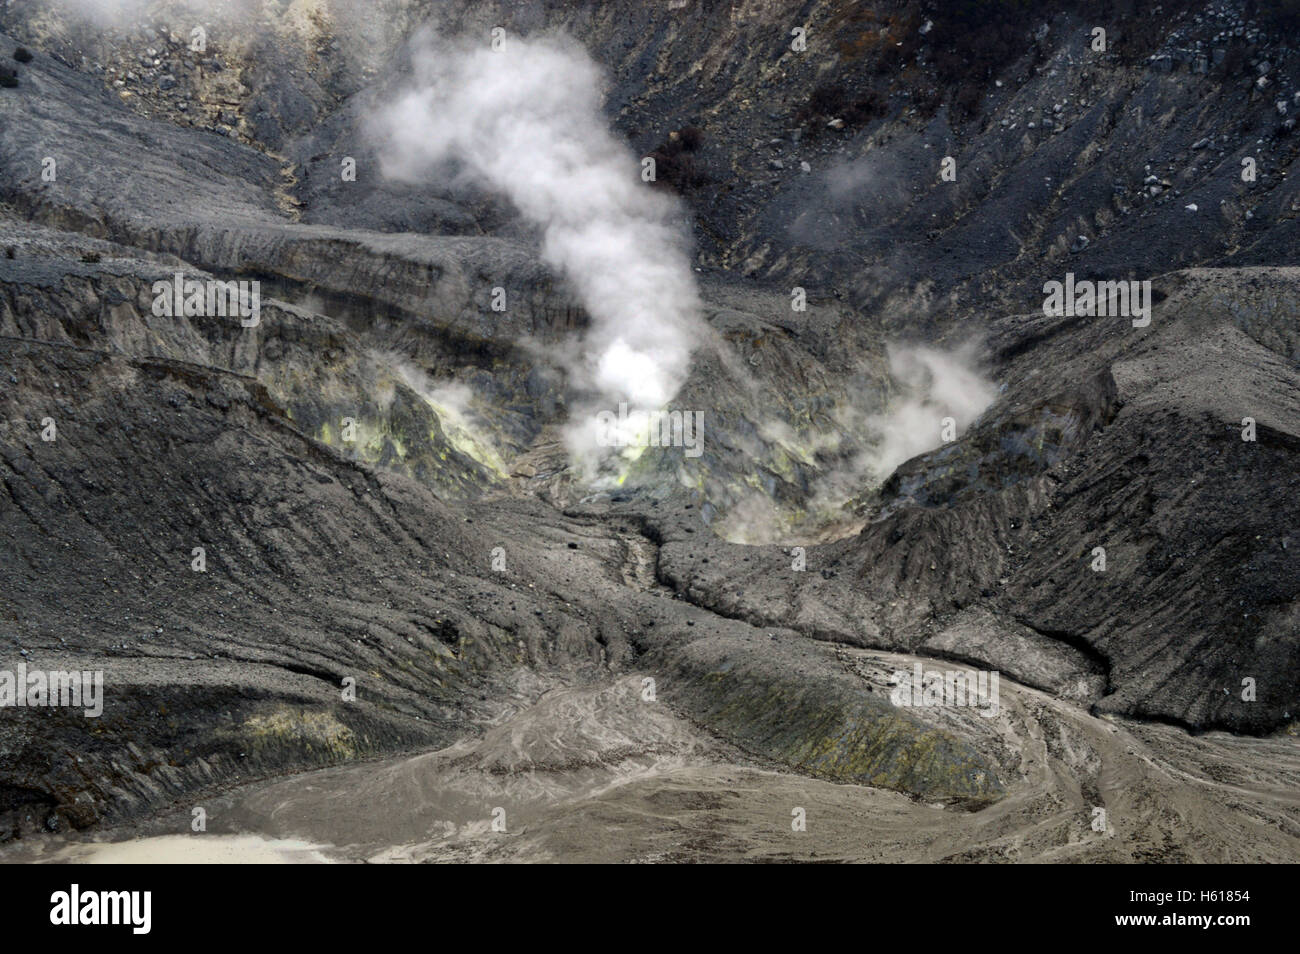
(932, 385)
(526, 121)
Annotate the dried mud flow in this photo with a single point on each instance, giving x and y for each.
(586, 775)
(696, 664)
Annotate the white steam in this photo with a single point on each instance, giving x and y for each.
(926, 386)
(526, 121)
(932, 385)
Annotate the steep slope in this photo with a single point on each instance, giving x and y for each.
(1132, 442)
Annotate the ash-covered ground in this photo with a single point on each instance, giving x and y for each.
(363, 575)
